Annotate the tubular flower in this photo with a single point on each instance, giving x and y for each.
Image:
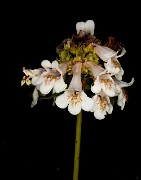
(102, 106)
(113, 66)
(50, 79)
(74, 97)
(106, 84)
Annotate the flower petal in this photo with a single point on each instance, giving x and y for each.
(55, 64)
(74, 109)
(104, 52)
(60, 85)
(87, 103)
(122, 53)
(89, 27)
(98, 114)
(35, 97)
(122, 84)
(62, 101)
(45, 88)
(96, 88)
(36, 80)
(46, 64)
(80, 26)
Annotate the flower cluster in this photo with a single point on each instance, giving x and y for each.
(86, 75)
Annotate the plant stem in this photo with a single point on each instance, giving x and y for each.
(77, 146)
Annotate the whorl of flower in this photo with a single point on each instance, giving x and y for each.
(84, 66)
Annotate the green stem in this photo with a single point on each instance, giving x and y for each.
(77, 146)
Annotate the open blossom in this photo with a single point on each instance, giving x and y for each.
(50, 79)
(113, 66)
(110, 57)
(74, 97)
(102, 106)
(106, 84)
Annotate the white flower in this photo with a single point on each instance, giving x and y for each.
(113, 66)
(104, 52)
(74, 97)
(102, 106)
(75, 101)
(105, 83)
(86, 27)
(122, 98)
(50, 79)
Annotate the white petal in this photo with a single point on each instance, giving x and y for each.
(36, 80)
(46, 64)
(96, 88)
(35, 97)
(60, 85)
(62, 101)
(124, 84)
(89, 27)
(104, 52)
(55, 64)
(122, 53)
(74, 109)
(45, 88)
(87, 103)
(109, 92)
(99, 114)
(110, 110)
(120, 74)
(80, 26)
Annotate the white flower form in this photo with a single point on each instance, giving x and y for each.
(113, 66)
(106, 84)
(86, 27)
(102, 106)
(122, 98)
(50, 79)
(104, 52)
(74, 97)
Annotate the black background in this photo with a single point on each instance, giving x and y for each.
(39, 142)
